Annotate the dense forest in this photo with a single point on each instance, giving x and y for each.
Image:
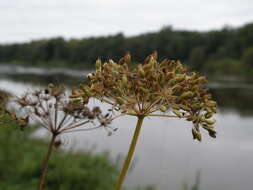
(229, 50)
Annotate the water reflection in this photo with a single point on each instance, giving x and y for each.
(237, 97)
(42, 76)
(166, 154)
(15, 69)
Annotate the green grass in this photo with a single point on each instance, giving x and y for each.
(21, 158)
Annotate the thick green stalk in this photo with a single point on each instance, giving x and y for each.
(130, 154)
(45, 165)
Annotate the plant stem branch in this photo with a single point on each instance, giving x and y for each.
(45, 165)
(130, 154)
(161, 115)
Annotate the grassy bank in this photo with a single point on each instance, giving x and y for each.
(21, 158)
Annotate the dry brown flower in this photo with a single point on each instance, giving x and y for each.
(54, 110)
(149, 88)
(164, 86)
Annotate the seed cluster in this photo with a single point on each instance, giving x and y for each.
(164, 86)
(54, 110)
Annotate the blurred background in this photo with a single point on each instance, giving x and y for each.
(58, 41)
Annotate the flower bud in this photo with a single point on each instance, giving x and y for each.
(163, 108)
(120, 101)
(148, 74)
(85, 99)
(202, 80)
(190, 117)
(111, 62)
(187, 94)
(173, 81)
(160, 77)
(211, 103)
(147, 66)
(86, 90)
(177, 113)
(144, 90)
(98, 64)
(170, 75)
(89, 76)
(51, 85)
(179, 68)
(127, 58)
(196, 135)
(151, 60)
(212, 133)
(184, 107)
(207, 96)
(177, 88)
(141, 71)
(124, 80)
(210, 122)
(196, 106)
(202, 118)
(115, 73)
(118, 90)
(208, 127)
(194, 75)
(180, 78)
(75, 93)
(208, 115)
(195, 87)
(214, 109)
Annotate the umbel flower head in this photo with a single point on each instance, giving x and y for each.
(153, 86)
(54, 110)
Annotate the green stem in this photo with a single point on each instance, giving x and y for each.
(45, 165)
(130, 154)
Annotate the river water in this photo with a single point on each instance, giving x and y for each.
(166, 155)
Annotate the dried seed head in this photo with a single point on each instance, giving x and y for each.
(59, 112)
(164, 86)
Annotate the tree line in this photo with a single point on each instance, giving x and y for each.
(228, 49)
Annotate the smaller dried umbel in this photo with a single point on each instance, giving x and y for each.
(53, 109)
(149, 88)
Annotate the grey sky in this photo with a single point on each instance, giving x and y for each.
(23, 20)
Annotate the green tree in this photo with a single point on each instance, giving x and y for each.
(226, 66)
(197, 58)
(247, 57)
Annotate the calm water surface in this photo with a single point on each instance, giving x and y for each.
(166, 155)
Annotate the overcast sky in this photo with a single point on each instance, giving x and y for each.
(24, 20)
